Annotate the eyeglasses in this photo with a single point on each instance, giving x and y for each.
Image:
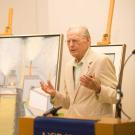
(73, 41)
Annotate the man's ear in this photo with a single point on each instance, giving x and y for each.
(89, 40)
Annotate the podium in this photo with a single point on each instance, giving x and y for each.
(104, 126)
(112, 126)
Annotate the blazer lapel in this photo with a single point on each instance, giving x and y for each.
(84, 70)
(71, 79)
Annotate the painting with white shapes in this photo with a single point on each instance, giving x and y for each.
(30, 55)
(10, 58)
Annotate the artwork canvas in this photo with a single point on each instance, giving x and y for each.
(33, 55)
(27, 60)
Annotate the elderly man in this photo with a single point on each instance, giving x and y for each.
(90, 81)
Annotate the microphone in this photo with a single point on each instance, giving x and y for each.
(52, 111)
(133, 52)
(119, 91)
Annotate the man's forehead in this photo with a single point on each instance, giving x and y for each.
(74, 36)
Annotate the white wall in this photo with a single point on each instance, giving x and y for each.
(29, 17)
(55, 16)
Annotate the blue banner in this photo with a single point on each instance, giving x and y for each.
(63, 126)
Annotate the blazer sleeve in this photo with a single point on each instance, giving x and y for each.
(107, 76)
(61, 99)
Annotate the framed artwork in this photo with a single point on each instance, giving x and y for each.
(30, 55)
(27, 60)
(116, 53)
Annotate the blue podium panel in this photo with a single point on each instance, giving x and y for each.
(63, 126)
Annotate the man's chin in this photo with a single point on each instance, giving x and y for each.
(74, 55)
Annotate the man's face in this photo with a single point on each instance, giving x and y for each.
(77, 44)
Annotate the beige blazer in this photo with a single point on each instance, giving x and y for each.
(83, 101)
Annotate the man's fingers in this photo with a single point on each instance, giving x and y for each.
(44, 86)
(50, 85)
(86, 78)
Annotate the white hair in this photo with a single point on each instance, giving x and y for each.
(84, 31)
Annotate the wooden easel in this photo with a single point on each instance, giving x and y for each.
(106, 39)
(8, 28)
